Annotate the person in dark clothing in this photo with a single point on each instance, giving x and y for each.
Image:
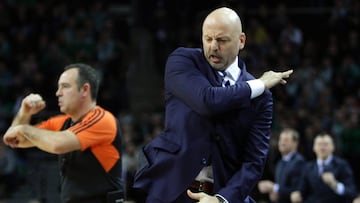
(328, 179)
(288, 169)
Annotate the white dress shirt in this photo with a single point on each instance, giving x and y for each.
(232, 74)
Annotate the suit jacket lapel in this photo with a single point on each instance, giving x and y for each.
(215, 79)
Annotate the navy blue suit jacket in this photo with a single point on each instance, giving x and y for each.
(288, 175)
(206, 124)
(314, 190)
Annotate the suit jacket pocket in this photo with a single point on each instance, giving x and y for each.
(156, 157)
(150, 153)
(162, 143)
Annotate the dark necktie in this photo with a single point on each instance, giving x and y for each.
(223, 80)
(321, 168)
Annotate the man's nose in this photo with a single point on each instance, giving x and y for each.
(57, 93)
(214, 45)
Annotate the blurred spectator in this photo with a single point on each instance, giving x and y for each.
(288, 169)
(328, 179)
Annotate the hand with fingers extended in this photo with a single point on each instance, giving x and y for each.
(202, 197)
(271, 78)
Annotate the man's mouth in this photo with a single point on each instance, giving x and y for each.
(214, 58)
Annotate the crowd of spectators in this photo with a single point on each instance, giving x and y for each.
(318, 39)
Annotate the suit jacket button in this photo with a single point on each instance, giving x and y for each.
(203, 161)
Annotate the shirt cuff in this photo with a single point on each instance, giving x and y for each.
(276, 188)
(340, 188)
(257, 88)
(219, 196)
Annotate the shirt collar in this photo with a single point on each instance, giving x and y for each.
(288, 156)
(233, 71)
(326, 162)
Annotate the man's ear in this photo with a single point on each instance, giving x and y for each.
(86, 89)
(242, 39)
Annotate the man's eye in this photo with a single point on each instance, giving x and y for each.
(64, 86)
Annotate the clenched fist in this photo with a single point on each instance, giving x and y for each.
(32, 104)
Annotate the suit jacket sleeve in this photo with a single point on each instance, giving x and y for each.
(347, 178)
(188, 77)
(254, 153)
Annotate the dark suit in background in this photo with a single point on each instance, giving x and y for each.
(288, 169)
(288, 176)
(206, 124)
(314, 190)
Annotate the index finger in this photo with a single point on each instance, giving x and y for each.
(289, 72)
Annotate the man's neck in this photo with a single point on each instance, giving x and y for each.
(288, 155)
(83, 112)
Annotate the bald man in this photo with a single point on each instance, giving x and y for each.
(217, 126)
